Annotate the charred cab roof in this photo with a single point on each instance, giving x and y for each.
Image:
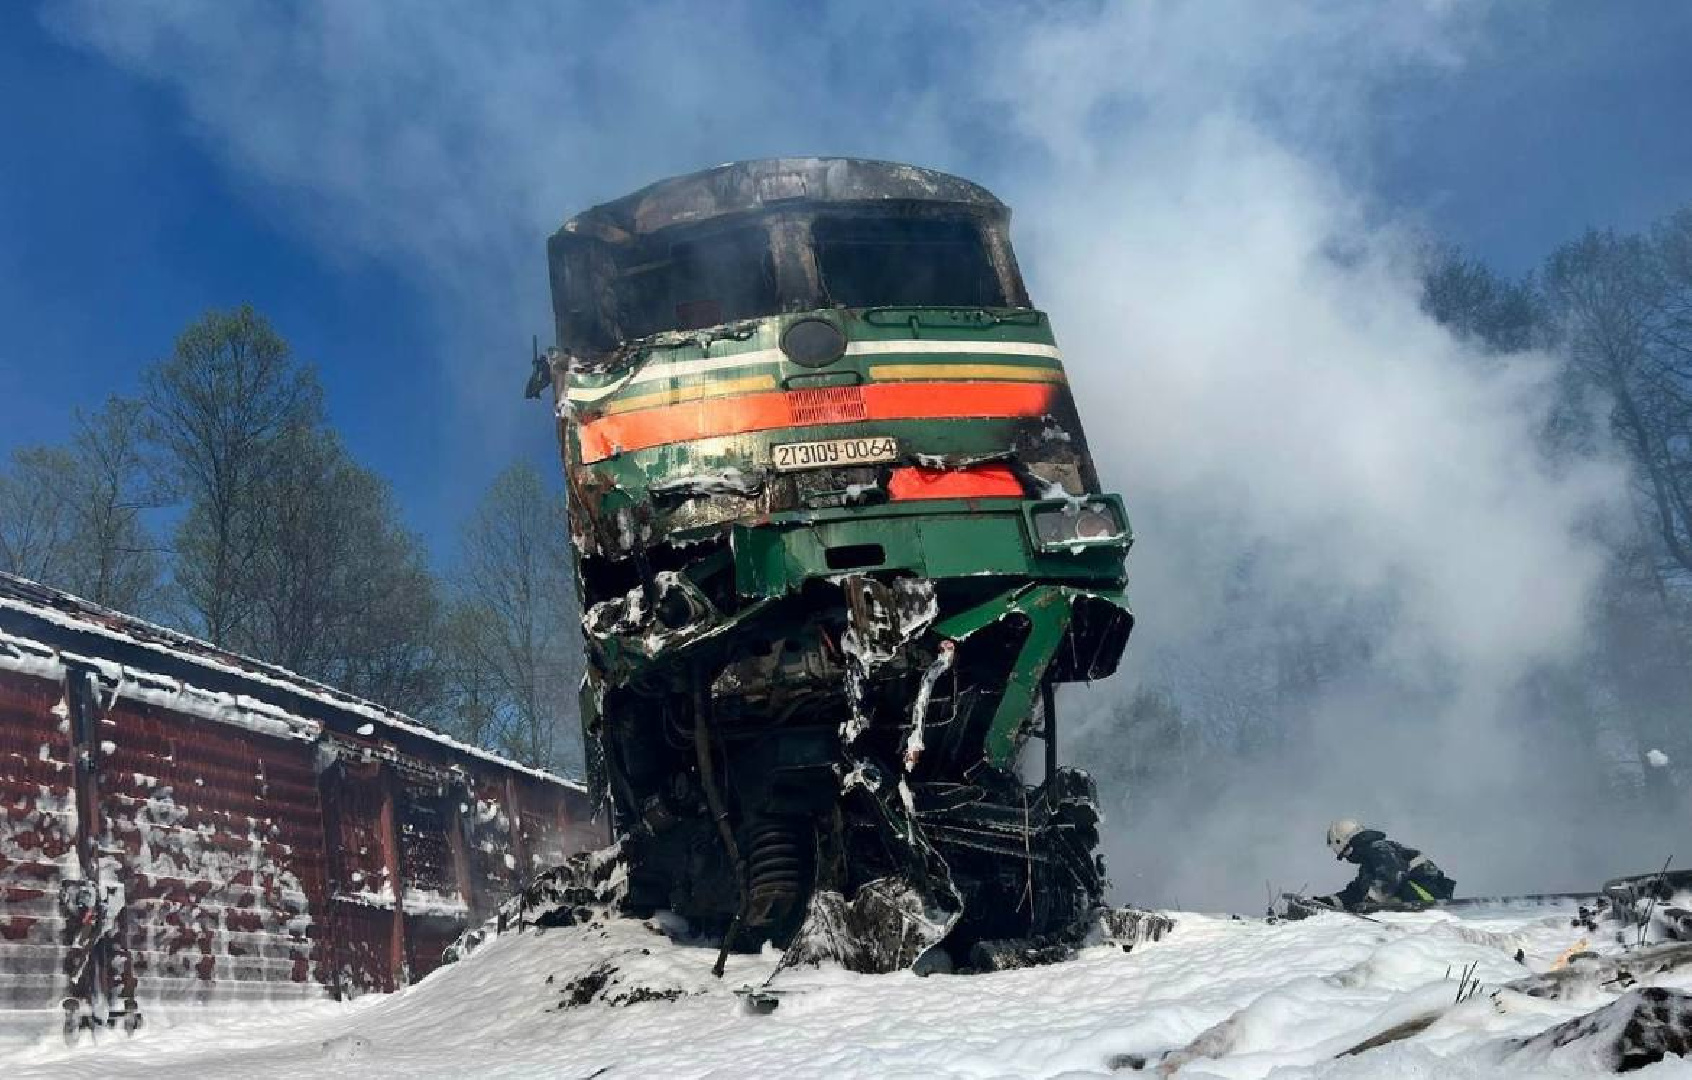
(751, 186)
(756, 238)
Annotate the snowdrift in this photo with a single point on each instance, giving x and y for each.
(1330, 996)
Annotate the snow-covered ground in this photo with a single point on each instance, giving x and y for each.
(1291, 998)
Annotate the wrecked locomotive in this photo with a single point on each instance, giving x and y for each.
(838, 538)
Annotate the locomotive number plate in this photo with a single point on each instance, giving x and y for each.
(825, 452)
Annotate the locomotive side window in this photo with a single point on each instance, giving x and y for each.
(700, 282)
(869, 261)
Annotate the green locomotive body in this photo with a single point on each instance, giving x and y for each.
(838, 536)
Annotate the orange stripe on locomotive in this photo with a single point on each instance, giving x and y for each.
(607, 436)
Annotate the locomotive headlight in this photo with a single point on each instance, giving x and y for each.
(1093, 521)
(813, 343)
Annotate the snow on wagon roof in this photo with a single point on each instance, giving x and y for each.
(56, 620)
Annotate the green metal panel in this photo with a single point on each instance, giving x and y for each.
(1049, 610)
(998, 324)
(941, 538)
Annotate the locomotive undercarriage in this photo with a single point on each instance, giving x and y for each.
(827, 765)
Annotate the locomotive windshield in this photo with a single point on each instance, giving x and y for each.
(870, 261)
(856, 260)
(702, 281)
(757, 239)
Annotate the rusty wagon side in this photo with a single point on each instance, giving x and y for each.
(181, 824)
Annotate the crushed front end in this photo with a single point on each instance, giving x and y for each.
(836, 545)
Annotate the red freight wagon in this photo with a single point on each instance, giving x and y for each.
(181, 824)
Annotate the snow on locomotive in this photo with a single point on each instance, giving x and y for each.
(838, 537)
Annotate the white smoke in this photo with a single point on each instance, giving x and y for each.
(1292, 434)
(1305, 452)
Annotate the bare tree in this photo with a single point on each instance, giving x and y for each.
(71, 517)
(1475, 303)
(1616, 306)
(37, 523)
(216, 410)
(516, 635)
(472, 703)
(287, 548)
(119, 563)
(335, 588)
(1622, 311)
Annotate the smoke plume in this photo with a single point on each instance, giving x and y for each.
(1313, 465)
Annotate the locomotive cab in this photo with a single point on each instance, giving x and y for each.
(838, 537)
(746, 241)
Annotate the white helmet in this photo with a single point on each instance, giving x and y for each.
(1340, 834)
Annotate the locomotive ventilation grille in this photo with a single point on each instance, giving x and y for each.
(828, 405)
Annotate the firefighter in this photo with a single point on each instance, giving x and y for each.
(1389, 874)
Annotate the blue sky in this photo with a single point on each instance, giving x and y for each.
(119, 229)
(130, 200)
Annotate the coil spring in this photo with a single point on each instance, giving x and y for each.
(774, 869)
